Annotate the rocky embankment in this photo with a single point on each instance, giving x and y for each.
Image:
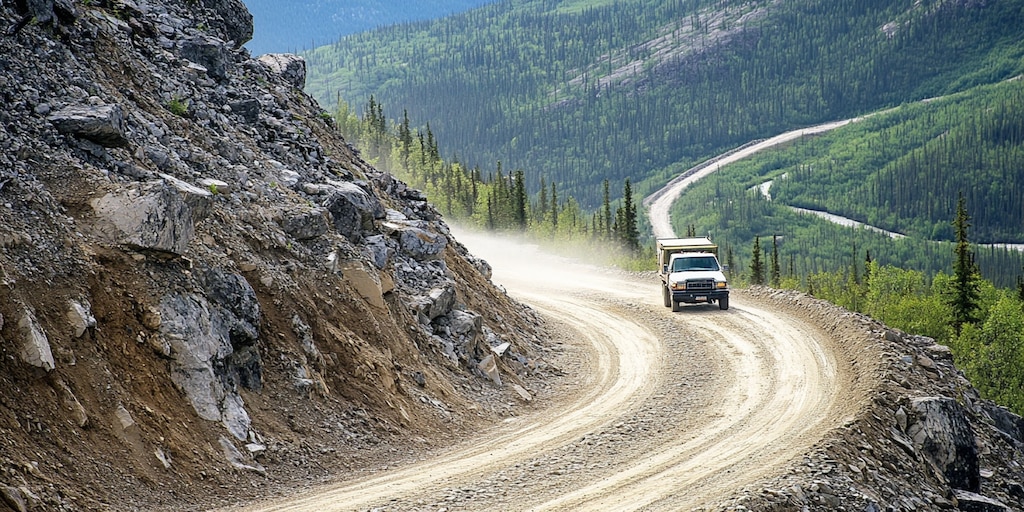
(204, 288)
(926, 442)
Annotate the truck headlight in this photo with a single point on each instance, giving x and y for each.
(721, 285)
(679, 285)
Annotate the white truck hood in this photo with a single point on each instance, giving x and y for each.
(676, 277)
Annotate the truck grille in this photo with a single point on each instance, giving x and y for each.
(700, 284)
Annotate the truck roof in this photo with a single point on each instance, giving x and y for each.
(686, 242)
(692, 254)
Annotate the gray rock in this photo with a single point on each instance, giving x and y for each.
(157, 215)
(233, 20)
(35, 347)
(236, 459)
(353, 210)
(972, 502)
(208, 52)
(233, 293)
(466, 323)
(124, 417)
(291, 67)
(422, 245)
(377, 250)
(80, 318)
(216, 186)
(305, 223)
(200, 338)
(249, 110)
(441, 301)
(14, 498)
(1006, 421)
(489, 367)
(940, 430)
(436, 304)
(103, 124)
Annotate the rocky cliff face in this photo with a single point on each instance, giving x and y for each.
(202, 284)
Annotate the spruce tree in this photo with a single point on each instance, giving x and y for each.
(776, 272)
(519, 200)
(405, 138)
(606, 214)
(756, 266)
(541, 212)
(630, 232)
(554, 207)
(966, 287)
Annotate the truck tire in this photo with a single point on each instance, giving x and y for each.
(676, 307)
(666, 296)
(723, 303)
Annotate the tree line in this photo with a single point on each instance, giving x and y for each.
(982, 323)
(495, 200)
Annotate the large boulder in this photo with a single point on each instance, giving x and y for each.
(35, 346)
(199, 334)
(941, 432)
(353, 210)
(1007, 422)
(156, 215)
(421, 244)
(291, 67)
(103, 124)
(208, 52)
(235, 21)
(304, 223)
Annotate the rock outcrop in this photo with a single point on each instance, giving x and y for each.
(202, 282)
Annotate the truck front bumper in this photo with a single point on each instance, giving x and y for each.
(690, 297)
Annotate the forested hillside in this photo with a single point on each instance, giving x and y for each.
(900, 170)
(304, 24)
(580, 92)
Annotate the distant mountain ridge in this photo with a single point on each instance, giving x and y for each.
(641, 90)
(304, 24)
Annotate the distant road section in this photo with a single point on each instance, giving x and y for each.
(660, 203)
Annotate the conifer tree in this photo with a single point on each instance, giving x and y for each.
(519, 200)
(776, 272)
(405, 139)
(606, 214)
(630, 232)
(756, 266)
(554, 207)
(541, 214)
(966, 280)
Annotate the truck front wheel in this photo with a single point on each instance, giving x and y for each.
(723, 303)
(666, 296)
(676, 307)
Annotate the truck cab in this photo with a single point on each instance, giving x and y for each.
(690, 273)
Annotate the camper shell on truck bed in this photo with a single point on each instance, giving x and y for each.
(690, 272)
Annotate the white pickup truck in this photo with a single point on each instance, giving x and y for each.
(690, 272)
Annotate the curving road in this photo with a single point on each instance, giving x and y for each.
(670, 410)
(659, 203)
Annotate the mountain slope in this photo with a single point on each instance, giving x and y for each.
(634, 90)
(205, 290)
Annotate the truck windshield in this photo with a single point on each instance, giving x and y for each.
(695, 263)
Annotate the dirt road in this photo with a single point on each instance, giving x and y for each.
(669, 410)
(660, 202)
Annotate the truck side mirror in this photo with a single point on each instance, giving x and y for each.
(664, 269)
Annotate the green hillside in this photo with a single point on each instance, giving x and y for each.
(579, 92)
(900, 170)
